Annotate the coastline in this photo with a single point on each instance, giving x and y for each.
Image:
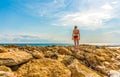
(110, 45)
(90, 60)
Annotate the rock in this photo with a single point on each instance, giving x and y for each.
(53, 49)
(102, 69)
(65, 51)
(54, 61)
(114, 73)
(12, 45)
(89, 50)
(6, 72)
(14, 58)
(43, 68)
(37, 54)
(60, 57)
(50, 54)
(90, 60)
(100, 52)
(67, 60)
(4, 68)
(80, 70)
(100, 58)
(106, 63)
(3, 49)
(79, 56)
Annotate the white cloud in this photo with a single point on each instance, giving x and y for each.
(21, 38)
(114, 2)
(33, 38)
(107, 6)
(93, 18)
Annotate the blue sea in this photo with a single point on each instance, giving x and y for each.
(36, 44)
(59, 44)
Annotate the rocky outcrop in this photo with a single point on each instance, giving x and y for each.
(6, 72)
(59, 61)
(43, 68)
(3, 49)
(80, 70)
(50, 54)
(65, 51)
(14, 58)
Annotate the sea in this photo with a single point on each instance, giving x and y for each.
(36, 44)
(60, 44)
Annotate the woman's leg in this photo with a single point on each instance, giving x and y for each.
(75, 44)
(78, 44)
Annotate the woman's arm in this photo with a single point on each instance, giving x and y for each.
(73, 35)
(79, 35)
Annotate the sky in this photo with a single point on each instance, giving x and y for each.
(53, 21)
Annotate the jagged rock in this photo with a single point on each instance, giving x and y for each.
(118, 51)
(89, 50)
(53, 49)
(14, 58)
(91, 60)
(106, 63)
(100, 59)
(12, 45)
(80, 70)
(100, 52)
(67, 60)
(60, 57)
(6, 72)
(80, 56)
(3, 49)
(43, 68)
(13, 49)
(37, 54)
(5, 68)
(102, 69)
(65, 51)
(50, 54)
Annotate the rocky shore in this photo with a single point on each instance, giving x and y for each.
(58, 61)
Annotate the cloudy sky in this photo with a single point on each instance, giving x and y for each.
(46, 21)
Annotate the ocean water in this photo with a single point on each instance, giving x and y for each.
(36, 44)
(59, 44)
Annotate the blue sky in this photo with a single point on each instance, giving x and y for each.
(46, 21)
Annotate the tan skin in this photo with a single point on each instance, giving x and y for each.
(76, 37)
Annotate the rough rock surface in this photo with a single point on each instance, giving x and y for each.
(43, 68)
(80, 70)
(58, 61)
(3, 50)
(6, 72)
(65, 51)
(14, 58)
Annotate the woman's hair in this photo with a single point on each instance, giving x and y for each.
(75, 27)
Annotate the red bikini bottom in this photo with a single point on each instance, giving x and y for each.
(75, 37)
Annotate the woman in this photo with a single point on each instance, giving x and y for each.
(76, 37)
